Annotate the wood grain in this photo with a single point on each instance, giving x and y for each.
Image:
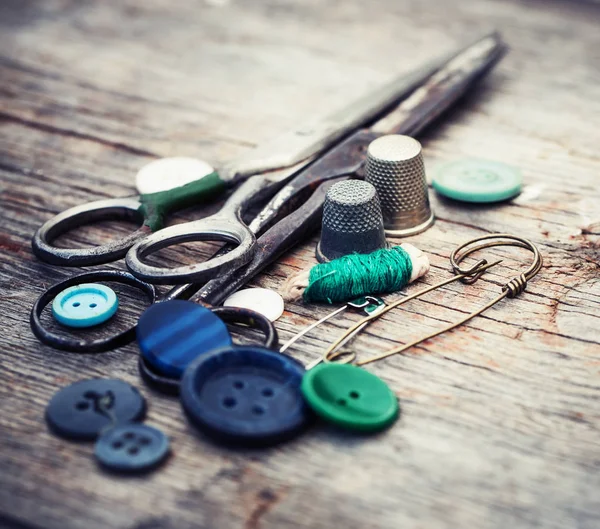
(500, 418)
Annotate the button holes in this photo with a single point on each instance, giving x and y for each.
(341, 402)
(93, 305)
(82, 405)
(91, 395)
(267, 392)
(238, 384)
(229, 402)
(117, 445)
(145, 441)
(108, 400)
(354, 395)
(76, 304)
(129, 435)
(258, 410)
(132, 451)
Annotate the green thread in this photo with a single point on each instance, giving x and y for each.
(156, 205)
(356, 275)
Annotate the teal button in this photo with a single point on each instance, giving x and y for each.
(480, 181)
(85, 305)
(350, 397)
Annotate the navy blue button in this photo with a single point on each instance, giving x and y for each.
(80, 411)
(245, 395)
(173, 333)
(132, 448)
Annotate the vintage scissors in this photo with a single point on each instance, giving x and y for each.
(295, 210)
(278, 160)
(425, 98)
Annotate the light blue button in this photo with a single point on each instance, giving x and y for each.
(85, 305)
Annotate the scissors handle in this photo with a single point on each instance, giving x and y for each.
(79, 343)
(127, 208)
(148, 211)
(226, 225)
(155, 206)
(274, 242)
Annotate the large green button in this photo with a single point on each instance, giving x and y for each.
(350, 397)
(477, 181)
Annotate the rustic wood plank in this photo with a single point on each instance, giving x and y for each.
(500, 418)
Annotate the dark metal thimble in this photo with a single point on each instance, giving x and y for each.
(352, 221)
(395, 167)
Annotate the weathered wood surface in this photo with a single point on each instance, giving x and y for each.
(500, 420)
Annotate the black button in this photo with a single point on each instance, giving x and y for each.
(245, 395)
(132, 448)
(80, 411)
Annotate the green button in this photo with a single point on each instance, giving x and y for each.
(350, 397)
(477, 181)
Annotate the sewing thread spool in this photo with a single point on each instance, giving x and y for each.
(352, 276)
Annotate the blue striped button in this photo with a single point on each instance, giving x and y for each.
(173, 333)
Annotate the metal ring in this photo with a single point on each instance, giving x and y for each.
(514, 286)
(80, 345)
(251, 318)
(230, 315)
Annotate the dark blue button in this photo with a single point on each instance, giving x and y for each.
(173, 333)
(80, 411)
(245, 395)
(132, 448)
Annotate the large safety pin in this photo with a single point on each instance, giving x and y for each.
(368, 304)
(468, 276)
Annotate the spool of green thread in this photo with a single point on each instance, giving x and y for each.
(352, 276)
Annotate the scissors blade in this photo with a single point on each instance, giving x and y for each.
(443, 88)
(298, 147)
(435, 95)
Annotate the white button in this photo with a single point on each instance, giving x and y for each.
(167, 173)
(262, 300)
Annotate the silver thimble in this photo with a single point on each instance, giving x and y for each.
(395, 167)
(352, 221)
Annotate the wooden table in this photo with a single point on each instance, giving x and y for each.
(500, 418)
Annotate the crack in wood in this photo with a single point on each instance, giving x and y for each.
(79, 135)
